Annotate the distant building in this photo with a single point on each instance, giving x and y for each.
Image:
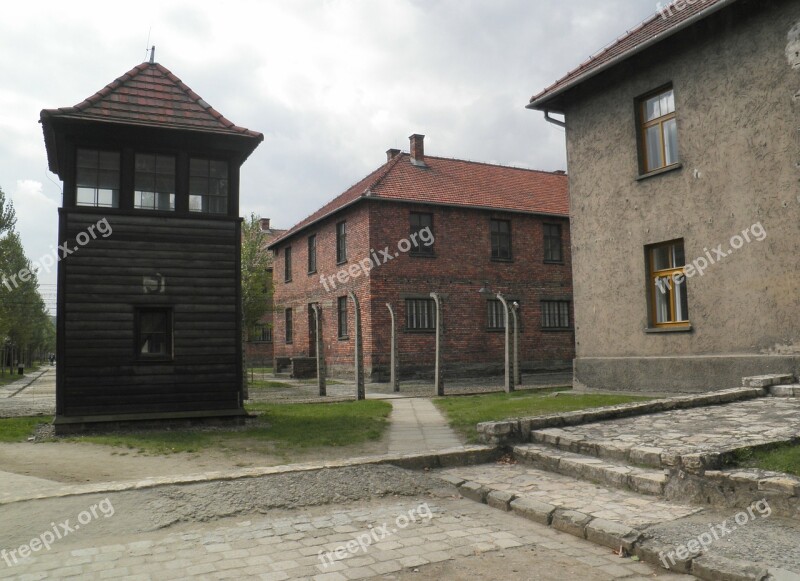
(149, 302)
(420, 224)
(684, 160)
(259, 344)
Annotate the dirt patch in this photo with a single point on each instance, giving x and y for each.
(81, 462)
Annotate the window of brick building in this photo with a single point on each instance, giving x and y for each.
(312, 254)
(552, 243)
(341, 309)
(421, 233)
(288, 320)
(501, 239)
(555, 315)
(420, 314)
(341, 242)
(287, 264)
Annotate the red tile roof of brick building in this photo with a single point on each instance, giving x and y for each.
(453, 182)
(149, 94)
(653, 30)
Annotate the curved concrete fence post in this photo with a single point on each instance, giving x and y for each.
(438, 378)
(508, 384)
(515, 316)
(321, 371)
(394, 364)
(358, 350)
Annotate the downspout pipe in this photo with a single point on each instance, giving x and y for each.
(553, 120)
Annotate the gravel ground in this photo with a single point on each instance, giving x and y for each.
(306, 392)
(151, 509)
(771, 540)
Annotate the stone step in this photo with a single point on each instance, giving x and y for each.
(615, 451)
(768, 380)
(582, 467)
(785, 390)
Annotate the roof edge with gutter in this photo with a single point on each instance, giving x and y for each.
(539, 103)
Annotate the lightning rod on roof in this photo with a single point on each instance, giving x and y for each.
(152, 54)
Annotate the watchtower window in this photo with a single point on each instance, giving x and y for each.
(208, 186)
(97, 178)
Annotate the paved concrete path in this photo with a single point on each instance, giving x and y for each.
(414, 536)
(31, 396)
(416, 426)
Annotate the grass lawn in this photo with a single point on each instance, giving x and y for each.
(785, 458)
(18, 429)
(279, 429)
(259, 370)
(9, 378)
(465, 412)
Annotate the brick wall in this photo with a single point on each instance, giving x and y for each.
(461, 265)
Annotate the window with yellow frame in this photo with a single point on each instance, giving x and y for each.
(659, 131)
(668, 299)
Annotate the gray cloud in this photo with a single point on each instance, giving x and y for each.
(332, 84)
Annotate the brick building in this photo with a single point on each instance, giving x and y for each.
(420, 224)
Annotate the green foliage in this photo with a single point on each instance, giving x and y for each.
(464, 413)
(256, 274)
(24, 320)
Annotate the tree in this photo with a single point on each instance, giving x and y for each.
(25, 325)
(256, 275)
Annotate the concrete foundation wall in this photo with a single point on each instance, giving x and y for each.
(678, 374)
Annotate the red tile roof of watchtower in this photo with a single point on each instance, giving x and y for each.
(453, 182)
(656, 28)
(149, 94)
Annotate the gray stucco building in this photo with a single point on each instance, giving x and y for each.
(684, 166)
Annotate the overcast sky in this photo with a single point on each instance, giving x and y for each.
(332, 84)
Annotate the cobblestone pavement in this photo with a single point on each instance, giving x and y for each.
(630, 508)
(416, 425)
(705, 429)
(287, 545)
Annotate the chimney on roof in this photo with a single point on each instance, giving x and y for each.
(391, 154)
(264, 224)
(153, 54)
(417, 149)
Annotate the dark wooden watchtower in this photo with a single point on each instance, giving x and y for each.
(149, 293)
